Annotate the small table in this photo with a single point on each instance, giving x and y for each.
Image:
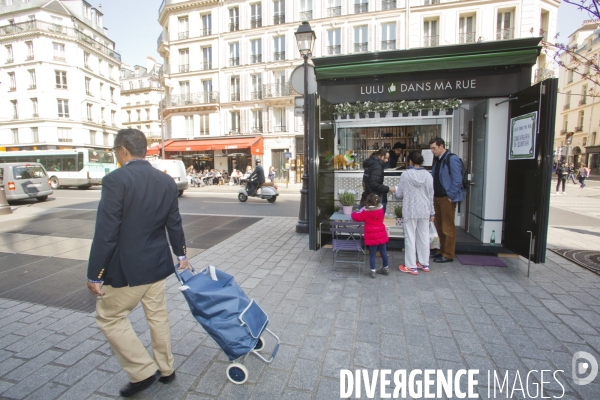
(340, 216)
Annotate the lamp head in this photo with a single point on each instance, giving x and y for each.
(305, 38)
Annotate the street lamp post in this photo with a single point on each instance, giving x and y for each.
(305, 38)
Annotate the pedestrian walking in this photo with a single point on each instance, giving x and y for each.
(582, 174)
(373, 176)
(447, 191)
(416, 192)
(562, 171)
(571, 174)
(272, 174)
(130, 260)
(375, 235)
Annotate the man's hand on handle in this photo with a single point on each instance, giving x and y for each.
(184, 264)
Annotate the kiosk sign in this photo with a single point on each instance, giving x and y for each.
(522, 137)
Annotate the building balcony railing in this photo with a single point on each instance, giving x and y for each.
(427, 2)
(505, 34)
(279, 55)
(567, 106)
(578, 128)
(543, 73)
(388, 4)
(388, 45)
(278, 90)
(280, 128)
(331, 50)
(334, 11)
(183, 35)
(184, 68)
(192, 99)
(235, 96)
(256, 22)
(257, 129)
(257, 95)
(305, 15)
(256, 58)
(234, 61)
(279, 19)
(467, 37)
(361, 47)
(430, 41)
(206, 32)
(234, 26)
(361, 8)
(582, 101)
(205, 66)
(159, 40)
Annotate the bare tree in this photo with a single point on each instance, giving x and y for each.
(573, 59)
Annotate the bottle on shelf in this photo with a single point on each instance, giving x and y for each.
(493, 239)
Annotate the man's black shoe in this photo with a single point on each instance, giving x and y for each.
(438, 255)
(167, 379)
(132, 388)
(442, 259)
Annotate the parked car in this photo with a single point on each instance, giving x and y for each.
(175, 169)
(25, 181)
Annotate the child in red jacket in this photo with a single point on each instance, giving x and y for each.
(375, 233)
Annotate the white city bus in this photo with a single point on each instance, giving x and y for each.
(77, 167)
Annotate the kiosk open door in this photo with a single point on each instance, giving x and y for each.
(529, 169)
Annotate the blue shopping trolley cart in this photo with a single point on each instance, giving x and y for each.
(226, 313)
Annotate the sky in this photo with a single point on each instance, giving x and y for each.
(133, 25)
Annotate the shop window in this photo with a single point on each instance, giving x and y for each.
(430, 33)
(466, 29)
(505, 25)
(388, 36)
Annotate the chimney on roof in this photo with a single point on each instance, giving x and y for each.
(100, 7)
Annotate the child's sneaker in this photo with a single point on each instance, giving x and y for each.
(383, 271)
(425, 268)
(372, 274)
(412, 271)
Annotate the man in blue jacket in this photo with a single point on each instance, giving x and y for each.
(130, 260)
(447, 191)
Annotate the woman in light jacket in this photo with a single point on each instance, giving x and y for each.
(416, 192)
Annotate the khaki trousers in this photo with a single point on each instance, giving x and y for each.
(112, 310)
(444, 224)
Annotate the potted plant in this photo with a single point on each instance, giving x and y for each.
(398, 107)
(398, 214)
(436, 106)
(363, 108)
(450, 105)
(382, 108)
(347, 200)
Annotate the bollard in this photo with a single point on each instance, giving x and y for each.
(4, 207)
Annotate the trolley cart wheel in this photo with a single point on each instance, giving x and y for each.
(260, 344)
(237, 373)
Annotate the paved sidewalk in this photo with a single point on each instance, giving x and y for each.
(451, 318)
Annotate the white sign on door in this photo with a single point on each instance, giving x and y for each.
(522, 137)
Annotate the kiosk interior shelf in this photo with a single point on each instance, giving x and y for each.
(363, 141)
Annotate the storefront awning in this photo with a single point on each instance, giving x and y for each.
(465, 56)
(255, 143)
(154, 150)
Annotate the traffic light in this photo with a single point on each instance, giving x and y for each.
(569, 138)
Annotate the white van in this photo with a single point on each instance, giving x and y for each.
(25, 181)
(175, 169)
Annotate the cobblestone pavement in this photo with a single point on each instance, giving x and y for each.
(454, 317)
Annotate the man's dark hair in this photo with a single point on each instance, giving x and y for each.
(133, 140)
(416, 157)
(438, 141)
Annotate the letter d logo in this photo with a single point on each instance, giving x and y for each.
(581, 367)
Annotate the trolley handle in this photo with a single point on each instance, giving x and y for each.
(178, 274)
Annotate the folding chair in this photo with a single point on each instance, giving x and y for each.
(347, 241)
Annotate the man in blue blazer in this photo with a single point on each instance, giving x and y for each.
(130, 260)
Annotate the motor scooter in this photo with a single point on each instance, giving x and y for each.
(268, 191)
